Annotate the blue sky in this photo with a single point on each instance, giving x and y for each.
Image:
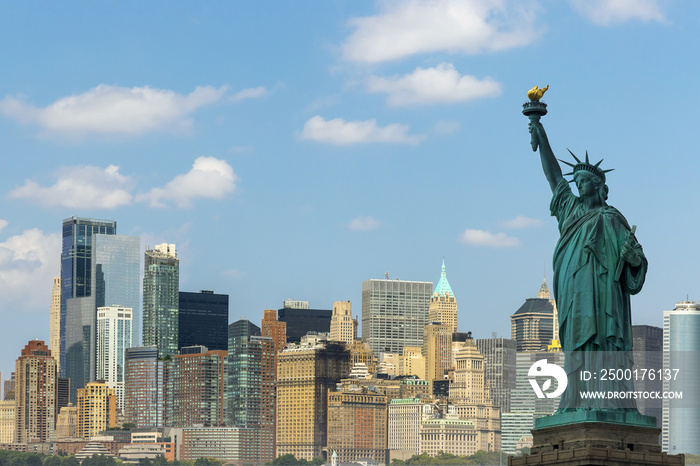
(295, 149)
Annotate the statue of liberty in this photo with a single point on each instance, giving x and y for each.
(598, 264)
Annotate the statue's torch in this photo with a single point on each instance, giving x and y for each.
(534, 109)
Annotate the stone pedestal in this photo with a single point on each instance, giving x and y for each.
(592, 442)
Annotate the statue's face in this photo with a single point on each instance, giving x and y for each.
(587, 184)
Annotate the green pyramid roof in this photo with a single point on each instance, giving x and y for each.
(443, 286)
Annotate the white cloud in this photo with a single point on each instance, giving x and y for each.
(607, 12)
(209, 178)
(406, 28)
(340, 132)
(28, 263)
(440, 85)
(3, 224)
(521, 222)
(447, 126)
(82, 187)
(363, 224)
(486, 238)
(250, 93)
(112, 110)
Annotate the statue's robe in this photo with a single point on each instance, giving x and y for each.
(592, 287)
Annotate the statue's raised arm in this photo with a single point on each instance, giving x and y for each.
(551, 167)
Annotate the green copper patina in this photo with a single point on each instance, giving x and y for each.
(598, 264)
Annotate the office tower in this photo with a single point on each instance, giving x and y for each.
(341, 322)
(55, 320)
(35, 393)
(305, 375)
(161, 282)
(499, 368)
(532, 325)
(67, 423)
(198, 387)
(114, 326)
(145, 382)
(97, 409)
(544, 293)
(251, 385)
(62, 392)
(300, 319)
(8, 413)
(470, 394)
(647, 347)
(361, 353)
(443, 304)
(394, 313)
(273, 328)
(681, 347)
(202, 320)
(412, 362)
(405, 417)
(76, 267)
(437, 350)
(525, 407)
(114, 279)
(357, 425)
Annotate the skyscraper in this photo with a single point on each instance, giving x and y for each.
(114, 279)
(648, 343)
(300, 319)
(55, 321)
(342, 327)
(35, 393)
(198, 387)
(394, 313)
(437, 350)
(532, 326)
(443, 304)
(161, 282)
(97, 409)
(146, 378)
(203, 319)
(681, 348)
(273, 328)
(251, 385)
(114, 327)
(76, 266)
(499, 368)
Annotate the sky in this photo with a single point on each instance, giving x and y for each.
(295, 149)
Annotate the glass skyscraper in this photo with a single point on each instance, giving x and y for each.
(394, 313)
(76, 263)
(114, 280)
(161, 284)
(203, 320)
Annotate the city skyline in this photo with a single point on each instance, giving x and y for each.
(287, 158)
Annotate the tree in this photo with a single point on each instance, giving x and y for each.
(70, 461)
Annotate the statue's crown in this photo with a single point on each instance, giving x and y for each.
(586, 166)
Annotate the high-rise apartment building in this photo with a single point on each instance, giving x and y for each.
(202, 320)
(443, 303)
(97, 409)
(394, 313)
(145, 387)
(76, 267)
(8, 428)
(198, 387)
(499, 368)
(437, 350)
(8, 387)
(35, 393)
(342, 327)
(55, 320)
(306, 373)
(532, 325)
(161, 283)
(251, 385)
(114, 279)
(114, 327)
(273, 328)
(681, 353)
(357, 425)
